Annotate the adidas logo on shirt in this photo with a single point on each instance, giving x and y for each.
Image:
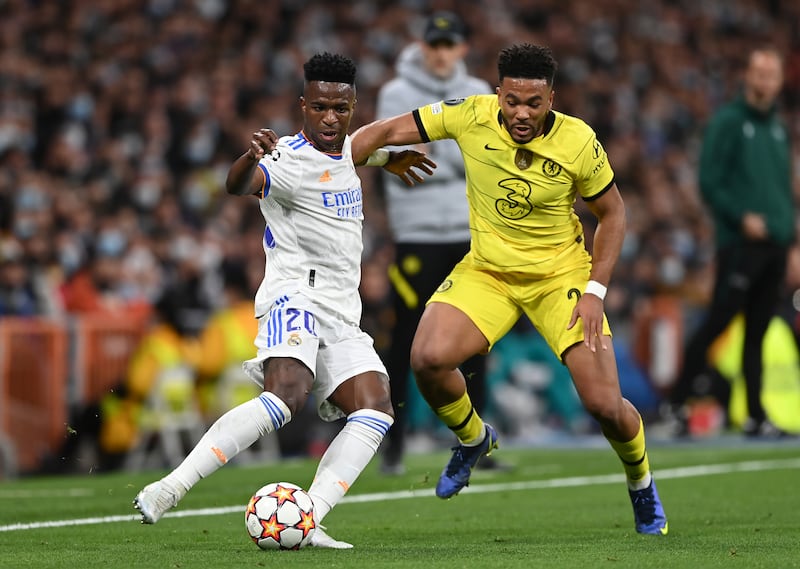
(326, 177)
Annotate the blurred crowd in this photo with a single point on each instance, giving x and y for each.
(120, 118)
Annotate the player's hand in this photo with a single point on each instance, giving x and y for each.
(590, 311)
(754, 226)
(405, 163)
(263, 142)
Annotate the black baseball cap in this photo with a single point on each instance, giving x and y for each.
(444, 26)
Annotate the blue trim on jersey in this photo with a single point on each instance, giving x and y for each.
(275, 328)
(298, 141)
(276, 414)
(269, 239)
(301, 140)
(381, 427)
(267, 180)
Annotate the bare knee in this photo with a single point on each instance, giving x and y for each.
(606, 410)
(365, 391)
(290, 380)
(426, 359)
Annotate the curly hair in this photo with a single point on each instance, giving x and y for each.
(527, 61)
(330, 67)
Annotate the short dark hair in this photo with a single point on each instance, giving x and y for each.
(330, 67)
(527, 61)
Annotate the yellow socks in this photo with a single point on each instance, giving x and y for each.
(461, 418)
(634, 459)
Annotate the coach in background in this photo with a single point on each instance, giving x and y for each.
(746, 182)
(429, 223)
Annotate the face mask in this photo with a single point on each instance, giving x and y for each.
(147, 194)
(111, 243)
(70, 258)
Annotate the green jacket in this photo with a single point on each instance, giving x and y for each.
(745, 165)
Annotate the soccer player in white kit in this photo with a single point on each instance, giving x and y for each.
(308, 306)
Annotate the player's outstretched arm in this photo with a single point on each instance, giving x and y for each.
(394, 131)
(240, 180)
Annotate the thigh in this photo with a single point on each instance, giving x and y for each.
(549, 304)
(765, 289)
(350, 355)
(483, 307)
(594, 375)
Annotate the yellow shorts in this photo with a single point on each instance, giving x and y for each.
(495, 301)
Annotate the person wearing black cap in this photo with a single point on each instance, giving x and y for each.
(429, 224)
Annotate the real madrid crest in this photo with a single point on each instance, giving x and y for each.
(523, 158)
(294, 340)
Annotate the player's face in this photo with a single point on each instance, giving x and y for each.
(763, 79)
(524, 104)
(327, 110)
(441, 58)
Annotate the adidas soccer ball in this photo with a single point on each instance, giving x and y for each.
(280, 516)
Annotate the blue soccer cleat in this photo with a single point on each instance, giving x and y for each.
(648, 511)
(456, 474)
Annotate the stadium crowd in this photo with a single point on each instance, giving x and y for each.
(120, 118)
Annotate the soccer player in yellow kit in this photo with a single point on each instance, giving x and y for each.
(525, 165)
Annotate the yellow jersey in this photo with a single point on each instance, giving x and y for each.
(521, 196)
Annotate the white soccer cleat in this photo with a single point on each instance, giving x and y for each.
(322, 539)
(155, 499)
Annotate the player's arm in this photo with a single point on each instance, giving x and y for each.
(609, 209)
(242, 179)
(394, 131)
(608, 237)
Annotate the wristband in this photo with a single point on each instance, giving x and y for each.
(378, 158)
(595, 288)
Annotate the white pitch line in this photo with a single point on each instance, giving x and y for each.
(569, 482)
(71, 492)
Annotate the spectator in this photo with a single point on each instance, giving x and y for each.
(17, 295)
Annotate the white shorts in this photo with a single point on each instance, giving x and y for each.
(333, 350)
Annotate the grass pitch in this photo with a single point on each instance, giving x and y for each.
(729, 505)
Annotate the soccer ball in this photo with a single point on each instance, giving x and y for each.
(280, 516)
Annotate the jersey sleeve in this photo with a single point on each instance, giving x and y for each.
(594, 173)
(281, 171)
(445, 119)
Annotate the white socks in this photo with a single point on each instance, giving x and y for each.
(346, 457)
(234, 431)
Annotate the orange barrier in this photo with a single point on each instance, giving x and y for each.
(46, 368)
(33, 387)
(103, 347)
(658, 340)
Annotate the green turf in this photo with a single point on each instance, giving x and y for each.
(746, 519)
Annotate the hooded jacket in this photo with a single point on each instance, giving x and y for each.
(436, 210)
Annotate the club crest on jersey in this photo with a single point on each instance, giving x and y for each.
(550, 168)
(446, 285)
(294, 340)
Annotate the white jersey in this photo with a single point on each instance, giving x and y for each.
(312, 206)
